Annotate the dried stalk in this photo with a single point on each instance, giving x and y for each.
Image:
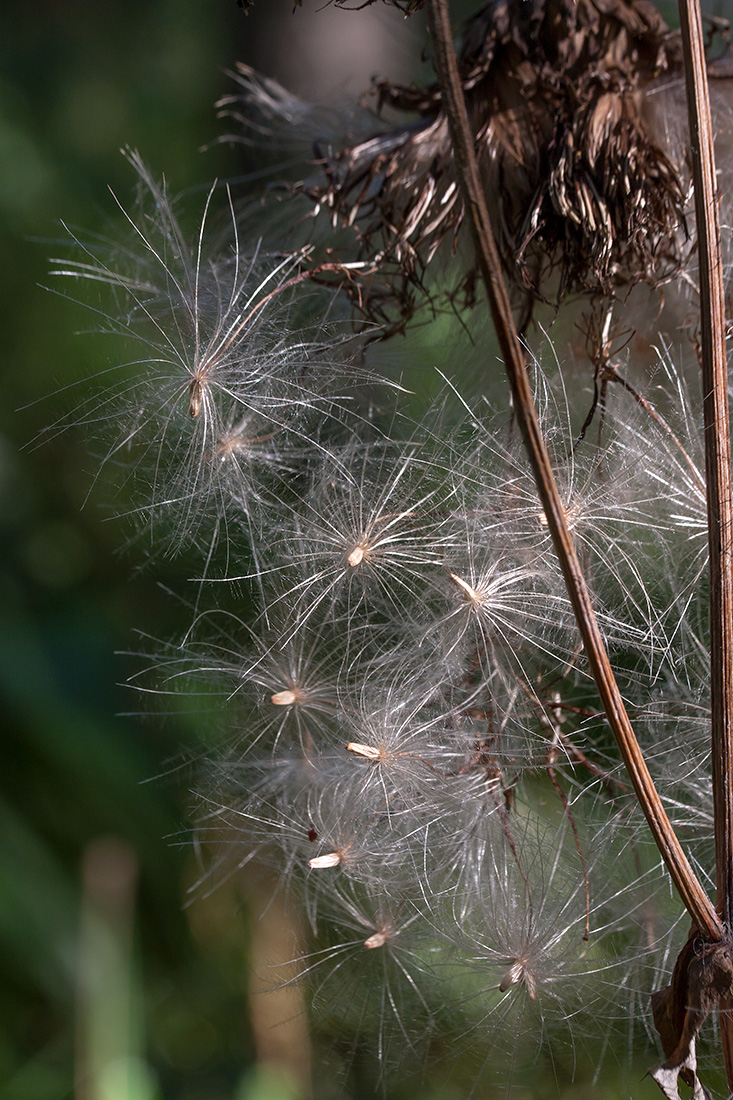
(686, 882)
(717, 471)
(717, 446)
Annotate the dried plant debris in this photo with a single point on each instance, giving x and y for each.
(406, 6)
(582, 198)
(703, 974)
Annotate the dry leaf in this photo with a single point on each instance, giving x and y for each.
(702, 975)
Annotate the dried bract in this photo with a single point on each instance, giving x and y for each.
(703, 974)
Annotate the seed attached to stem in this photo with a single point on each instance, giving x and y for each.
(377, 940)
(470, 593)
(332, 859)
(366, 751)
(356, 556)
(284, 698)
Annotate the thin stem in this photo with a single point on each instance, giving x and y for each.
(717, 446)
(717, 469)
(688, 886)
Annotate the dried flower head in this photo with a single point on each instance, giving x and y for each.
(582, 195)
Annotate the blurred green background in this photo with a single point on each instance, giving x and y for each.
(113, 988)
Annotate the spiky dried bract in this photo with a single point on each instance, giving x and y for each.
(581, 193)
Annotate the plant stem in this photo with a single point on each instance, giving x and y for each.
(686, 882)
(717, 469)
(717, 446)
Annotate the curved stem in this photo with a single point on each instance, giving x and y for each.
(686, 882)
(717, 471)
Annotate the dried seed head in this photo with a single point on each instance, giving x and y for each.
(582, 194)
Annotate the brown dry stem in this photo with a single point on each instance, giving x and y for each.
(686, 882)
(717, 446)
(717, 471)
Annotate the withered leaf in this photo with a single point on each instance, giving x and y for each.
(702, 975)
(667, 1078)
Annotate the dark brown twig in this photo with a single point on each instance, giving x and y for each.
(686, 882)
